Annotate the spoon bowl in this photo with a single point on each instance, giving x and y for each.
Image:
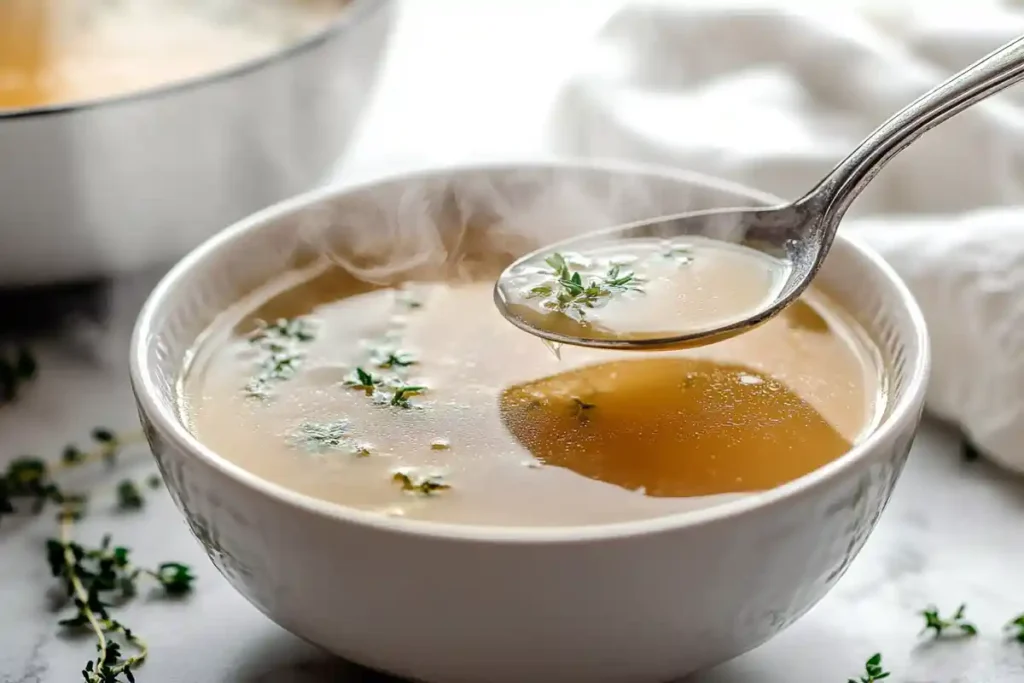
(797, 235)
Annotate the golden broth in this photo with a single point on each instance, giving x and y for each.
(458, 416)
(58, 51)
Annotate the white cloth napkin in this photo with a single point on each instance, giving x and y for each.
(774, 98)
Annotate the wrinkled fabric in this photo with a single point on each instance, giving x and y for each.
(774, 98)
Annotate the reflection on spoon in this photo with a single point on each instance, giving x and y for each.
(671, 426)
(639, 289)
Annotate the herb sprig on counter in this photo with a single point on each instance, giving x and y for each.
(955, 626)
(873, 671)
(99, 579)
(570, 293)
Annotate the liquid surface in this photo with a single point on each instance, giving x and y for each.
(59, 51)
(424, 402)
(641, 289)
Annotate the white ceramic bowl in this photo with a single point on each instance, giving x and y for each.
(634, 602)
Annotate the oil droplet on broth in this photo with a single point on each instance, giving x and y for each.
(642, 288)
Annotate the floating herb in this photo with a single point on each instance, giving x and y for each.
(422, 484)
(279, 345)
(362, 450)
(154, 481)
(957, 623)
(17, 368)
(873, 671)
(581, 408)
(364, 381)
(569, 293)
(440, 444)
(318, 437)
(1016, 628)
(387, 358)
(403, 393)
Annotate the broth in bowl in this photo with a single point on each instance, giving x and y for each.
(420, 400)
(59, 51)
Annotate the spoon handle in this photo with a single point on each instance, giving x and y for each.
(987, 76)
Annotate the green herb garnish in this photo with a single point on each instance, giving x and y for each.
(17, 368)
(440, 445)
(386, 359)
(97, 579)
(364, 381)
(280, 353)
(129, 497)
(1016, 628)
(957, 623)
(872, 671)
(318, 437)
(422, 484)
(569, 293)
(403, 393)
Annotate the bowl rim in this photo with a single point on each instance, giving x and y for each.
(352, 14)
(170, 426)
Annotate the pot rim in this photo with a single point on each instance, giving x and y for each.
(170, 426)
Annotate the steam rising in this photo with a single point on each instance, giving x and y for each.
(470, 224)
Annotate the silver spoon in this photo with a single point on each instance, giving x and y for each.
(801, 232)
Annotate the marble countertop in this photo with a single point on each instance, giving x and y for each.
(951, 535)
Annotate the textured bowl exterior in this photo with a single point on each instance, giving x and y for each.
(120, 184)
(638, 602)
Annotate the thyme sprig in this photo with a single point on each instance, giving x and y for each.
(95, 580)
(873, 671)
(568, 292)
(18, 367)
(279, 346)
(98, 579)
(957, 624)
(30, 479)
(320, 437)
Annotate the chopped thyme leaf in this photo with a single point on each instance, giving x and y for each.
(581, 408)
(318, 437)
(440, 444)
(568, 292)
(279, 344)
(424, 485)
(1016, 628)
(129, 497)
(403, 393)
(386, 358)
(961, 627)
(362, 450)
(363, 380)
(873, 671)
